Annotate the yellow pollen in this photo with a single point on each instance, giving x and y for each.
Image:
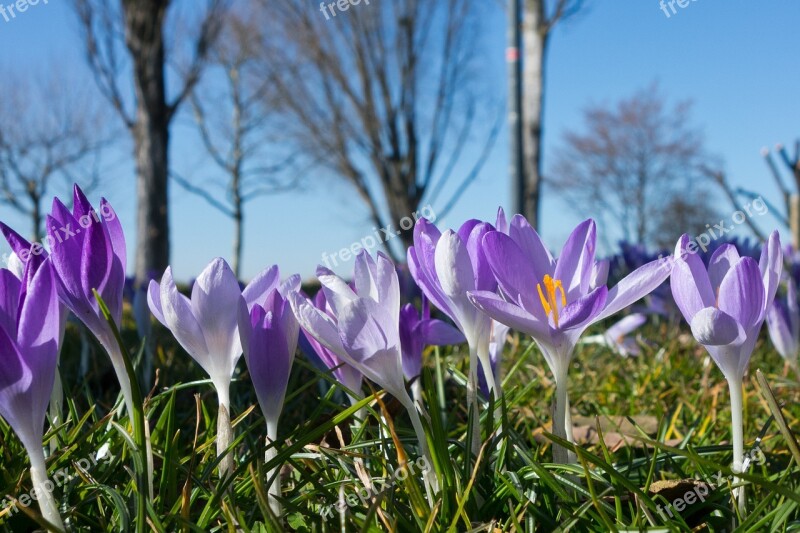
(548, 297)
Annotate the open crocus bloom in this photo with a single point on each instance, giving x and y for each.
(30, 320)
(783, 324)
(726, 305)
(555, 301)
(363, 329)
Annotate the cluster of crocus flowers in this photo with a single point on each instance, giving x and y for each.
(207, 327)
(364, 331)
(30, 333)
(555, 301)
(726, 304)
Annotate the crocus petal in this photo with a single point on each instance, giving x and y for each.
(509, 314)
(388, 286)
(290, 284)
(15, 382)
(38, 336)
(261, 285)
(537, 254)
(337, 291)
(636, 285)
(16, 266)
(574, 265)
(154, 301)
(627, 325)
(599, 274)
(365, 276)
(780, 331)
(501, 224)
(318, 324)
(584, 310)
(793, 309)
(115, 232)
(690, 284)
(484, 279)
(179, 318)
(367, 330)
(440, 333)
(371, 344)
(723, 260)
(80, 204)
(771, 264)
(215, 305)
(514, 272)
(713, 327)
(453, 265)
(10, 288)
(741, 294)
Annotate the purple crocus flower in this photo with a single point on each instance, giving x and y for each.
(30, 331)
(556, 301)
(416, 333)
(725, 305)
(269, 333)
(22, 248)
(345, 373)
(446, 266)
(88, 252)
(783, 324)
(364, 329)
(206, 326)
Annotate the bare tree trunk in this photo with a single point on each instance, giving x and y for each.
(36, 217)
(152, 224)
(535, 37)
(144, 39)
(238, 221)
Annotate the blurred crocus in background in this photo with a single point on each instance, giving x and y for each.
(418, 332)
(269, 333)
(783, 324)
(556, 301)
(497, 344)
(725, 305)
(364, 330)
(30, 333)
(617, 336)
(88, 253)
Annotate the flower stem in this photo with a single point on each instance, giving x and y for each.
(474, 444)
(431, 482)
(562, 455)
(224, 438)
(737, 428)
(43, 488)
(275, 488)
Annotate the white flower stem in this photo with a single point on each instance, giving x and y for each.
(274, 488)
(474, 444)
(224, 439)
(431, 482)
(560, 454)
(43, 488)
(737, 428)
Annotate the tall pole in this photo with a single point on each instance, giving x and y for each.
(515, 123)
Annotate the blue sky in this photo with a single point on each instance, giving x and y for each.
(737, 62)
